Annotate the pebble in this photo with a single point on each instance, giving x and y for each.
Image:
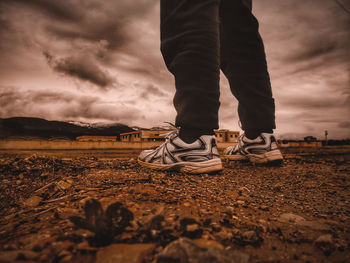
(264, 208)
(300, 221)
(325, 243)
(185, 250)
(11, 256)
(192, 227)
(122, 253)
(32, 201)
(44, 174)
(204, 243)
(5, 182)
(324, 239)
(229, 210)
(290, 218)
(64, 184)
(65, 256)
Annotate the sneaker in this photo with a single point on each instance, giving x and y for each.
(262, 149)
(201, 156)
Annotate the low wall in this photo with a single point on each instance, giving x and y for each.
(77, 145)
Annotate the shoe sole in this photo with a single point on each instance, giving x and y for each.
(209, 166)
(274, 156)
(236, 157)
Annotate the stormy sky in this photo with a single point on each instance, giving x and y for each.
(99, 61)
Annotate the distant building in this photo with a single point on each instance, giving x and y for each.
(226, 135)
(92, 138)
(310, 139)
(158, 135)
(299, 144)
(144, 136)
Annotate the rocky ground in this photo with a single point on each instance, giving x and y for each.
(93, 210)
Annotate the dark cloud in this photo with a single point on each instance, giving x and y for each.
(345, 124)
(152, 90)
(81, 67)
(109, 21)
(91, 111)
(5, 25)
(313, 49)
(315, 103)
(61, 10)
(110, 30)
(11, 95)
(61, 106)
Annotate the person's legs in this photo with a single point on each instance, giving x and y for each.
(244, 64)
(190, 47)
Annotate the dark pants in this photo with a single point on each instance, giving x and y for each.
(200, 37)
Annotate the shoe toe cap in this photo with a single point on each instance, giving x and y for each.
(144, 154)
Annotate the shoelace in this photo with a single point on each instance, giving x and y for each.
(173, 132)
(239, 140)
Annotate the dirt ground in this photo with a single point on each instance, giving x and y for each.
(56, 209)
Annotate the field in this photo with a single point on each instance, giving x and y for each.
(98, 205)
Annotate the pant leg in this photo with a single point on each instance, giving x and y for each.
(190, 48)
(243, 62)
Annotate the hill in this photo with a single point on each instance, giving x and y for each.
(41, 128)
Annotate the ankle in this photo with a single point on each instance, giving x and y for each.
(190, 135)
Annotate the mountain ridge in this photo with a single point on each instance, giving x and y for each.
(48, 129)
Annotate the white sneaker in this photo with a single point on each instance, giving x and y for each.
(201, 156)
(262, 149)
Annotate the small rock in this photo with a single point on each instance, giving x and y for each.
(11, 256)
(85, 247)
(9, 247)
(5, 182)
(18, 182)
(122, 253)
(65, 256)
(33, 201)
(243, 190)
(190, 228)
(278, 187)
(325, 243)
(44, 174)
(264, 208)
(225, 233)
(64, 184)
(249, 238)
(300, 221)
(155, 219)
(229, 210)
(208, 243)
(185, 250)
(290, 218)
(314, 225)
(21, 176)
